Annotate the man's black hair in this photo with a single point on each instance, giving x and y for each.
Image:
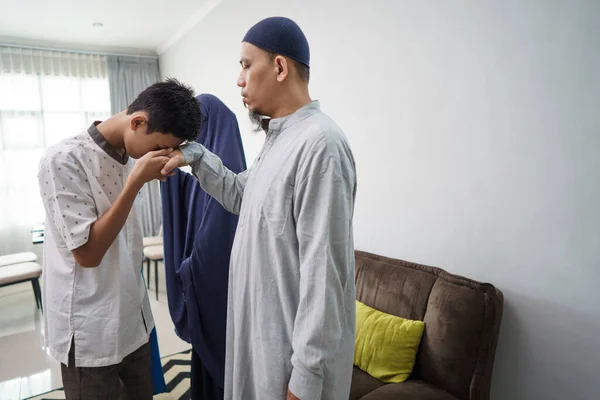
(302, 69)
(171, 107)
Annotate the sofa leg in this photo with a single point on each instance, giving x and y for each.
(156, 278)
(35, 283)
(148, 271)
(37, 302)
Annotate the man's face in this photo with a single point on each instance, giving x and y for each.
(258, 79)
(138, 141)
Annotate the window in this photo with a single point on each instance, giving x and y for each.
(44, 99)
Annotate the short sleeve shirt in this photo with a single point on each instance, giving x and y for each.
(104, 310)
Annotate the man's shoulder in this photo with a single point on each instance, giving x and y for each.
(325, 123)
(323, 133)
(69, 150)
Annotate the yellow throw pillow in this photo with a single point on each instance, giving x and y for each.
(386, 346)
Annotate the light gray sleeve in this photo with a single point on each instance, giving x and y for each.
(324, 205)
(217, 180)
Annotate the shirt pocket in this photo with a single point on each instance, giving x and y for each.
(277, 207)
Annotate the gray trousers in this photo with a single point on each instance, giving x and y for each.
(131, 379)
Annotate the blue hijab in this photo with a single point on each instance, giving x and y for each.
(198, 236)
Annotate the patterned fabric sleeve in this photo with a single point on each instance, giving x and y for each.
(68, 200)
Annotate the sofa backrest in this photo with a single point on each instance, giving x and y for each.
(462, 320)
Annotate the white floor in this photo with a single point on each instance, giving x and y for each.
(25, 368)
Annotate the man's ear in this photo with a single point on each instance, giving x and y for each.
(137, 121)
(282, 66)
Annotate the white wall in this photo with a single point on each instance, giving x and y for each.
(476, 130)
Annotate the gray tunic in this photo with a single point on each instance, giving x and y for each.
(291, 307)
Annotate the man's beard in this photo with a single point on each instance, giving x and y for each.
(259, 122)
(256, 120)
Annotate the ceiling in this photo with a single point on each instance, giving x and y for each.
(146, 25)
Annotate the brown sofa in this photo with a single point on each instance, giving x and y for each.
(462, 319)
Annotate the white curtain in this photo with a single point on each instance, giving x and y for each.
(128, 77)
(45, 96)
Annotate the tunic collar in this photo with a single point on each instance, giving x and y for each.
(279, 124)
(104, 145)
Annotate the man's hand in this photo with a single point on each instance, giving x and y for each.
(149, 167)
(290, 396)
(176, 160)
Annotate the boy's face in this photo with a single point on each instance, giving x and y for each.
(138, 141)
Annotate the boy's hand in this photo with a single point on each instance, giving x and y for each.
(176, 160)
(149, 167)
(106, 228)
(291, 396)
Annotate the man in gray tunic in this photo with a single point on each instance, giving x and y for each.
(291, 302)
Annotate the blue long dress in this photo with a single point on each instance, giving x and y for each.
(198, 235)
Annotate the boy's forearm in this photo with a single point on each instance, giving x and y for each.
(104, 231)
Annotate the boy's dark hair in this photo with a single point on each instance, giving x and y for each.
(171, 107)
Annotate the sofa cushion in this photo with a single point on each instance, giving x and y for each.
(17, 258)
(362, 384)
(386, 345)
(459, 331)
(393, 286)
(19, 272)
(409, 390)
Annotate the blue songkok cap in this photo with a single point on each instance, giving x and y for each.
(280, 35)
